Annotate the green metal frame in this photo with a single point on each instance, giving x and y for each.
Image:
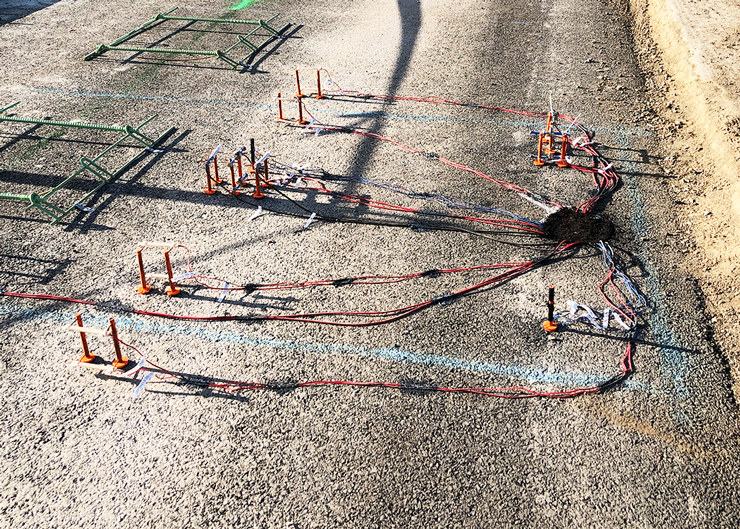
(41, 201)
(242, 40)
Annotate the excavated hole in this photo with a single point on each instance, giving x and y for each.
(570, 225)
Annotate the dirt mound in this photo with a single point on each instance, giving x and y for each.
(570, 225)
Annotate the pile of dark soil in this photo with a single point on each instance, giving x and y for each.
(570, 225)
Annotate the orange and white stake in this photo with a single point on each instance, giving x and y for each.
(298, 84)
(86, 357)
(319, 95)
(173, 290)
(539, 160)
(562, 162)
(280, 107)
(144, 288)
(301, 121)
(121, 361)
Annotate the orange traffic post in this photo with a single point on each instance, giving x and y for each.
(144, 288)
(121, 361)
(209, 188)
(267, 173)
(562, 162)
(234, 190)
(539, 160)
(550, 324)
(298, 84)
(319, 95)
(215, 170)
(280, 107)
(301, 121)
(86, 357)
(257, 187)
(173, 290)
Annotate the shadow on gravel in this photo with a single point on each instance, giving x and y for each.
(410, 14)
(84, 222)
(35, 270)
(11, 10)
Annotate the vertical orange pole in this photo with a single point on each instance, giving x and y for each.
(234, 190)
(563, 150)
(319, 95)
(267, 173)
(298, 84)
(173, 290)
(239, 165)
(121, 361)
(209, 188)
(257, 187)
(300, 113)
(215, 170)
(86, 356)
(144, 288)
(280, 107)
(538, 160)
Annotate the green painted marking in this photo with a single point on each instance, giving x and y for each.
(243, 4)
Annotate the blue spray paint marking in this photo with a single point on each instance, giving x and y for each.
(529, 374)
(361, 115)
(673, 361)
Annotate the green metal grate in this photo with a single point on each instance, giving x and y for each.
(227, 55)
(94, 166)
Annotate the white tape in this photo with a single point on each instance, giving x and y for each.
(605, 322)
(620, 322)
(182, 277)
(549, 209)
(135, 368)
(255, 214)
(143, 382)
(319, 130)
(84, 208)
(309, 221)
(298, 182)
(213, 155)
(224, 291)
(261, 160)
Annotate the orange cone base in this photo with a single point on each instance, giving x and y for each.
(563, 163)
(120, 364)
(87, 359)
(173, 291)
(251, 170)
(550, 326)
(322, 96)
(218, 180)
(209, 191)
(258, 195)
(144, 290)
(539, 161)
(300, 96)
(302, 122)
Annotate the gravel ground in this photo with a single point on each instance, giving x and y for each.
(656, 450)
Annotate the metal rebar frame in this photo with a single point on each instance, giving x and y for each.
(41, 201)
(242, 40)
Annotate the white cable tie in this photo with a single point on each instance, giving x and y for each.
(83, 208)
(309, 221)
(213, 155)
(143, 382)
(182, 277)
(319, 130)
(155, 151)
(620, 322)
(224, 291)
(605, 169)
(135, 368)
(308, 127)
(605, 322)
(297, 182)
(549, 209)
(589, 311)
(255, 214)
(261, 160)
(572, 307)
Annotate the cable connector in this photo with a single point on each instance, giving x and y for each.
(430, 273)
(444, 299)
(343, 281)
(431, 155)
(248, 289)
